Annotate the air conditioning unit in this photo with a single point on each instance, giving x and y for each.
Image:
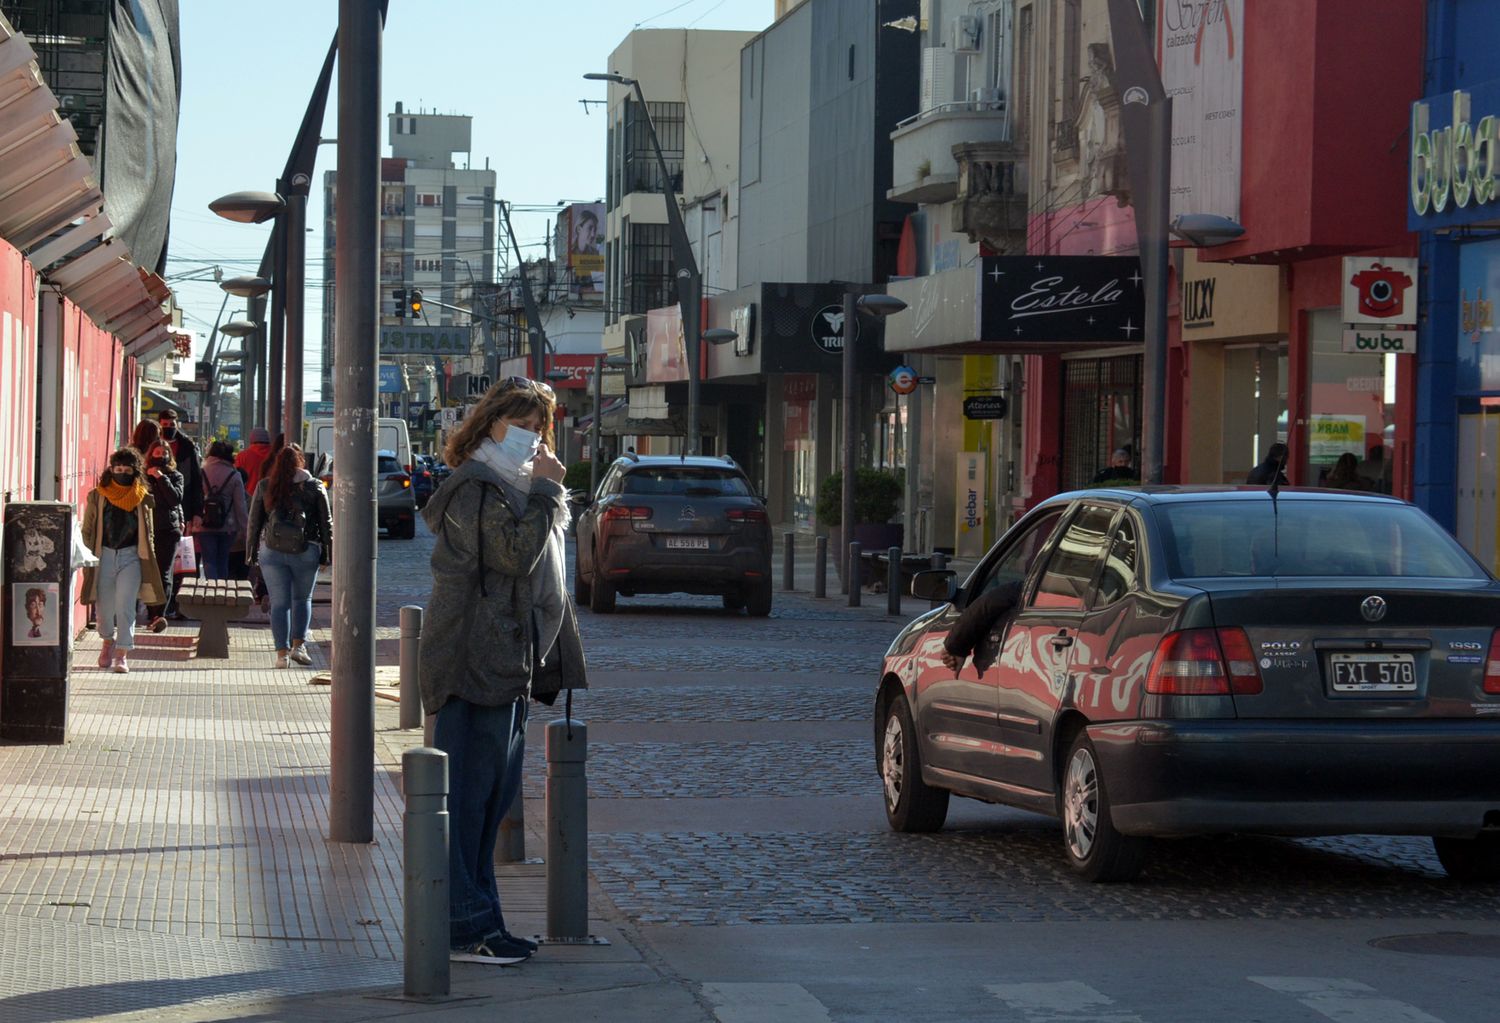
(964, 33)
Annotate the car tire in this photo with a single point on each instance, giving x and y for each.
(601, 597)
(758, 599)
(405, 530)
(1095, 849)
(1469, 859)
(734, 602)
(911, 805)
(581, 594)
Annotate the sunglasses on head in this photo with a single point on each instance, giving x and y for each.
(526, 383)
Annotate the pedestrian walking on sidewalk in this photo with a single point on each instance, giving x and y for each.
(119, 528)
(252, 461)
(290, 537)
(167, 491)
(498, 600)
(224, 517)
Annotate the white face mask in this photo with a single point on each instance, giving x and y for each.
(512, 457)
(520, 445)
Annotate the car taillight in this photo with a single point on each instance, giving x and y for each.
(621, 512)
(1492, 665)
(747, 515)
(405, 481)
(1204, 662)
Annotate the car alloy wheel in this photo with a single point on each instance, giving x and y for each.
(892, 762)
(1081, 803)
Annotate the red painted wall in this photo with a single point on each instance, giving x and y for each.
(1328, 93)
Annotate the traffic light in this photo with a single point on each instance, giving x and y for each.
(400, 297)
(416, 303)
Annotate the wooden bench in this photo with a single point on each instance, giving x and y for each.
(215, 603)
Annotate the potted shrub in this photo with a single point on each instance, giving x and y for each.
(877, 499)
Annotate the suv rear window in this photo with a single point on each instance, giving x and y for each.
(389, 464)
(1211, 539)
(686, 482)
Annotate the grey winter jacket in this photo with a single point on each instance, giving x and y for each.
(477, 635)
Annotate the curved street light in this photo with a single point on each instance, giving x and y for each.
(248, 207)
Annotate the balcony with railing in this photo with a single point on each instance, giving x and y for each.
(640, 293)
(925, 170)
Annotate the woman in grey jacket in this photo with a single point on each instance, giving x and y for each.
(497, 603)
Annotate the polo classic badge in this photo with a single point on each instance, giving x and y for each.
(1373, 609)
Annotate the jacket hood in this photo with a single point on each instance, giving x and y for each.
(437, 504)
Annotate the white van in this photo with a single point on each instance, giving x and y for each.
(390, 435)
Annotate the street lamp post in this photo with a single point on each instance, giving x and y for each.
(600, 361)
(258, 208)
(245, 330)
(689, 280)
(876, 305)
(357, 300)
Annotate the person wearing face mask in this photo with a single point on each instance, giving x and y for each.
(119, 528)
(166, 485)
(498, 628)
(185, 453)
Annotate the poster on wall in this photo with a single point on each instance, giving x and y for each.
(34, 614)
(583, 241)
(1329, 436)
(1200, 48)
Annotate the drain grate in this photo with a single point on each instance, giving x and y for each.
(1443, 943)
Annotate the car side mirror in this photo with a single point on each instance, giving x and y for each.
(934, 585)
(581, 498)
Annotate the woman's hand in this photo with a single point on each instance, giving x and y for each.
(547, 466)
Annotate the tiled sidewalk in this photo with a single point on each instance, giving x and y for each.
(177, 842)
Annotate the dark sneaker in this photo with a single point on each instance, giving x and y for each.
(516, 939)
(158, 625)
(496, 950)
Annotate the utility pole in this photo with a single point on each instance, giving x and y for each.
(537, 337)
(357, 301)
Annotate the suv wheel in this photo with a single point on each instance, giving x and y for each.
(734, 602)
(601, 596)
(581, 595)
(758, 599)
(405, 530)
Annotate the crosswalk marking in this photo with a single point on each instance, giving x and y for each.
(1060, 1002)
(765, 1003)
(1345, 1001)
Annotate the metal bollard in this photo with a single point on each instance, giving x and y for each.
(893, 581)
(820, 568)
(854, 572)
(424, 828)
(939, 563)
(510, 847)
(567, 831)
(788, 561)
(411, 691)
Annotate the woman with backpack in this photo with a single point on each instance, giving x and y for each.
(167, 491)
(223, 517)
(290, 537)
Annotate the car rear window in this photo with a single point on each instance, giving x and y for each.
(1212, 539)
(684, 482)
(389, 464)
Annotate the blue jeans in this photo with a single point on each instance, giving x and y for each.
(484, 747)
(213, 552)
(118, 583)
(290, 579)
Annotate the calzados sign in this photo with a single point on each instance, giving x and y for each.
(1094, 299)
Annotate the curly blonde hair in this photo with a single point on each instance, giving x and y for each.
(509, 399)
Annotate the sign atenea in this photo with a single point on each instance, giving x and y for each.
(1057, 299)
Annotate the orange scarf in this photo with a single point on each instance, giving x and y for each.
(124, 498)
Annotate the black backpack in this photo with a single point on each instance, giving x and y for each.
(286, 529)
(216, 507)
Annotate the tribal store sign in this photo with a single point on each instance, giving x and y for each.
(1057, 299)
(426, 340)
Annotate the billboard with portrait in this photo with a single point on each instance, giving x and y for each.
(580, 229)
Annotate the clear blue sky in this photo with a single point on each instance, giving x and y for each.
(515, 66)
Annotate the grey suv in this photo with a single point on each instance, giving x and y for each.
(670, 524)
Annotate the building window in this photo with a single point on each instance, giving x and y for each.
(1024, 34)
(1100, 414)
(429, 199)
(1072, 43)
(647, 281)
(641, 172)
(611, 178)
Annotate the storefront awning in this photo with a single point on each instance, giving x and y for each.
(155, 402)
(586, 422)
(51, 207)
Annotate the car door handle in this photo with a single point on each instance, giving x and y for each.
(1062, 641)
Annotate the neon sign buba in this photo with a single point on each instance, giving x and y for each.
(1456, 163)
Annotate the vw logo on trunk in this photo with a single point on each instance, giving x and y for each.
(1373, 609)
